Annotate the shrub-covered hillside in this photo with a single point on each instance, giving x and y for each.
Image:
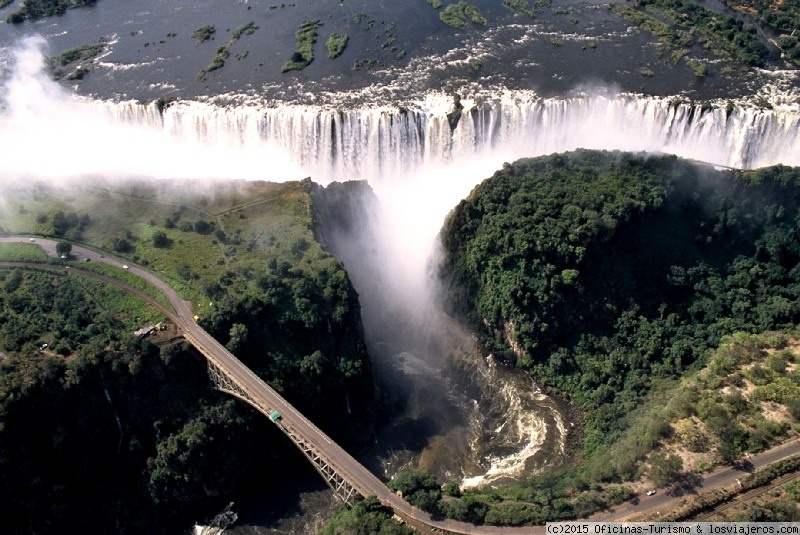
(602, 272)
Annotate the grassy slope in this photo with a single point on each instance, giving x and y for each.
(262, 220)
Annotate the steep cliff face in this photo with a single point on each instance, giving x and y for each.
(346, 222)
(343, 209)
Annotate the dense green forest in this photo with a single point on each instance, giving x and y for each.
(601, 271)
(782, 16)
(103, 431)
(685, 27)
(608, 276)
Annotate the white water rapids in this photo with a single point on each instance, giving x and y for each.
(418, 167)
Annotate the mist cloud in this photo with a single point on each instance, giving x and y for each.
(48, 133)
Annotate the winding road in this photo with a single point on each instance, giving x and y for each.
(255, 391)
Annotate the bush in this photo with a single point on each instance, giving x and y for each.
(305, 36)
(457, 15)
(63, 248)
(202, 226)
(665, 469)
(204, 33)
(419, 488)
(336, 44)
(160, 240)
(121, 245)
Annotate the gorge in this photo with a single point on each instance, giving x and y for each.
(417, 167)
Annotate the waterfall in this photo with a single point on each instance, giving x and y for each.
(347, 136)
(391, 141)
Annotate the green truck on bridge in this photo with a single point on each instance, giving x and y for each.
(275, 416)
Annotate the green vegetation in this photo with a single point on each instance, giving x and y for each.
(367, 517)
(336, 44)
(302, 57)
(104, 431)
(37, 9)
(531, 252)
(4, 3)
(458, 15)
(69, 225)
(368, 21)
(699, 69)
(435, 4)
(22, 252)
(644, 71)
(419, 488)
(389, 41)
(247, 28)
(535, 502)
(365, 64)
(790, 45)
(561, 264)
(689, 23)
(204, 33)
(783, 16)
(63, 248)
(73, 55)
(81, 53)
(779, 505)
(86, 407)
(223, 52)
(521, 6)
(729, 407)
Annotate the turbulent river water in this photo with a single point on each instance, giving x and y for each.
(455, 412)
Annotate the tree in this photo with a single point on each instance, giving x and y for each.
(238, 337)
(63, 248)
(665, 469)
(160, 240)
(202, 226)
(121, 245)
(418, 488)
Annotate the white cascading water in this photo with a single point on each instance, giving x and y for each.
(418, 167)
(362, 143)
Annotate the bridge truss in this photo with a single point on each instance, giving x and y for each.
(341, 487)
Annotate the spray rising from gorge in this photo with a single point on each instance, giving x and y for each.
(419, 163)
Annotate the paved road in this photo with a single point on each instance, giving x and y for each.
(265, 399)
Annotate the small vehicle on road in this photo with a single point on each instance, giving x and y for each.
(651, 492)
